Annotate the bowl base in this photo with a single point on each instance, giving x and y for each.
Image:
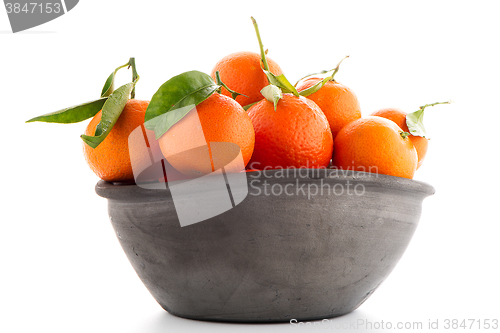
(250, 320)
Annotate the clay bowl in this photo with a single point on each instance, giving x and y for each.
(303, 246)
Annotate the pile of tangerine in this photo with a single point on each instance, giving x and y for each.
(316, 123)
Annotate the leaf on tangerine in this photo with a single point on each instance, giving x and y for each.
(272, 93)
(180, 92)
(111, 111)
(73, 114)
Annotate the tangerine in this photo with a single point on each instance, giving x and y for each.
(296, 135)
(375, 144)
(110, 160)
(210, 137)
(339, 103)
(242, 72)
(399, 117)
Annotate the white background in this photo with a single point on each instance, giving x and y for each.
(62, 269)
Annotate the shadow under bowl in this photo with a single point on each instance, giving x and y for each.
(306, 244)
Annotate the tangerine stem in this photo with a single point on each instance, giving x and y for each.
(336, 69)
(135, 76)
(262, 52)
(426, 105)
(404, 135)
(330, 78)
(221, 84)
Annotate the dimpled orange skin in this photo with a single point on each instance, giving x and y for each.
(110, 160)
(374, 144)
(399, 117)
(242, 72)
(222, 120)
(338, 102)
(296, 135)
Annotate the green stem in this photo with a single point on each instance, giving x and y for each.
(404, 135)
(218, 80)
(336, 69)
(326, 79)
(135, 76)
(109, 85)
(262, 52)
(221, 84)
(426, 105)
(122, 66)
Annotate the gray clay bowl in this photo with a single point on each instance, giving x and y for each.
(273, 257)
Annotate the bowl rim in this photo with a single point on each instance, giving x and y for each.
(131, 191)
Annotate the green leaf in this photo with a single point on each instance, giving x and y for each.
(317, 86)
(415, 123)
(311, 90)
(282, 82)
(72, 114)
(415, 120)
(111, 111)
(108, 85)
(248, 106)
(272, 94)
(182, 92)
(324, 71)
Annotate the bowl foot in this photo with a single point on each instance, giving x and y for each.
(250, 318)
